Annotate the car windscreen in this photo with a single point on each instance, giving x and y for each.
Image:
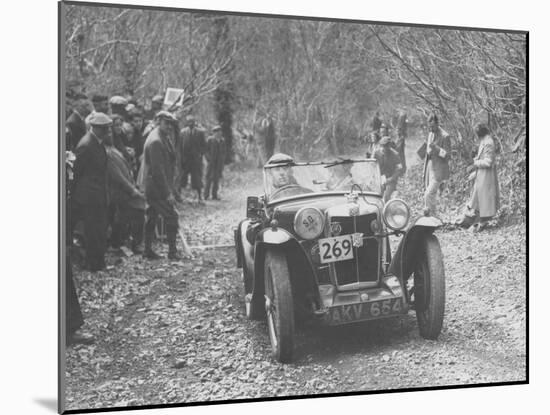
(300, 178)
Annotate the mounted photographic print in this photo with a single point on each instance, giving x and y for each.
(259, 206)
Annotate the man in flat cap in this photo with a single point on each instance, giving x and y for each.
(118, 105)
(192, 146)
(159, 159)
(76, 124)
(215, 157)
(90, 197)
(390, 166)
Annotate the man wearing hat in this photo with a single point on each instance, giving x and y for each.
(90, 188)
(215, 157)
(118, 105)
(192, 145)
(159, 159)
(436, 152)
(390, 166)
(76, 124)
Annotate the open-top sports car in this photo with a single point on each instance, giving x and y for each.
(316, 246)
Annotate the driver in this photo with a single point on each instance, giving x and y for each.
(282, 177)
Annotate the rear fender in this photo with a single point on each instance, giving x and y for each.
(403, 262)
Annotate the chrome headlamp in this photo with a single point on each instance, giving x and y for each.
(309, 223)
(396, 214)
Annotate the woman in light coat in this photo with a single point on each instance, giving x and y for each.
(484, 202)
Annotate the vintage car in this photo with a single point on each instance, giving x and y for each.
(315, 246)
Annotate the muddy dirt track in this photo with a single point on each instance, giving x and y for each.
(172, 332)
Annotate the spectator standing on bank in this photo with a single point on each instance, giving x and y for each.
(90, 197)
(484, 202)
(192, 148)
(119, 137)
(215, 158)
(401, 137)
(266, 137)
(436, 152)
(159, 159)
(73, 314)
(376, 122)
(127, 203)
(118, 105)
(76, 124)
(136, 140)
(390, 166)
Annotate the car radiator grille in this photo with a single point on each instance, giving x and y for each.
(364, 266)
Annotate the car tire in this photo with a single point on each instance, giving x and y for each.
(429, 289)
(279, 305)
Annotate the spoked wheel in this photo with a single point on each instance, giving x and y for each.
(279, 306)
(429, 289)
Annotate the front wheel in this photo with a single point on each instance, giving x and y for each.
(279, 306)
(429, 289)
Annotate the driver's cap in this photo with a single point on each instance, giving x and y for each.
(279, 158)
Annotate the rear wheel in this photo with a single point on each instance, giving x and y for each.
(429, 289)
(279, 306)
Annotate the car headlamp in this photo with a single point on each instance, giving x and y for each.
(309, 223)
(396, 214)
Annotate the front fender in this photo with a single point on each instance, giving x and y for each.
(285, 241)
(276, 236)
(403, 262)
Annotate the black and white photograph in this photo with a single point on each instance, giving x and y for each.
(258, 206)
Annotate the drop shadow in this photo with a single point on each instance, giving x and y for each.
(48, 403)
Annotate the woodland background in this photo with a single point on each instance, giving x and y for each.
(320, 81)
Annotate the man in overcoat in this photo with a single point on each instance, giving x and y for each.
(90, 198)
(215, 157)
(390, 166)
(401, 138)
(126, 201)
(192, 146)
(75, 124)
(159, 159)
(436, 152)
(484, 202)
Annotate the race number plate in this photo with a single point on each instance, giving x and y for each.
(338, 248)
(365, 311)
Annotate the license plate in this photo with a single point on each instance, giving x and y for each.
(364, 311)
(338, 248)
